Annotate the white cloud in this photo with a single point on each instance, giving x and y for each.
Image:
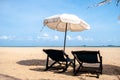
(45, 35)
(88, 39)
(119, 22)
(4, 37)
(38, 37)
(79, 38)
(109, 40)
(69, 37)
(55, 38)
(30, 38)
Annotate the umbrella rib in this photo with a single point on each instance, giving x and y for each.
(57, 24)
(68, 25)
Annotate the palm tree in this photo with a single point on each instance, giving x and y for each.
(119, 17)
(118, 2)
(106, 2)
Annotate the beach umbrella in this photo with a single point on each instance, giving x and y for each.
(66, 22)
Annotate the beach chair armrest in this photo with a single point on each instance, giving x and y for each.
(100, 58)
(66, 55)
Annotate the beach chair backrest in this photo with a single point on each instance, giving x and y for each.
(87, 56)
(57, 55)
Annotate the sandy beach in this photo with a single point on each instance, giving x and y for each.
(28, 63)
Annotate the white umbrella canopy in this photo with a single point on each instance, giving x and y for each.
(66, 22)
(58, 22)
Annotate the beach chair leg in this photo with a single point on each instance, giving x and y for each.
(67, 65)
(48, 67)
(97, 75)
(47, 63)
(74, 66)
(101, 66)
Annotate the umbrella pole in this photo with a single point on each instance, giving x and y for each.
(65, 36)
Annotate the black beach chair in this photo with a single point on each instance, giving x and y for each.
(58, 57)
(90, 57)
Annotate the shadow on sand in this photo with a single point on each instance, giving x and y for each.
(111, 69)
(33, 62)
(107, 68)
(7, 77)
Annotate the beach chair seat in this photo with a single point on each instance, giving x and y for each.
(87, 57)
(59, 58)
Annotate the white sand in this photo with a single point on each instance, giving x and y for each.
(28, 63)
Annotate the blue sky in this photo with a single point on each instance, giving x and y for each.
(21, 22)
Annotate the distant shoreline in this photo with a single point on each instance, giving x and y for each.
(59, 46)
